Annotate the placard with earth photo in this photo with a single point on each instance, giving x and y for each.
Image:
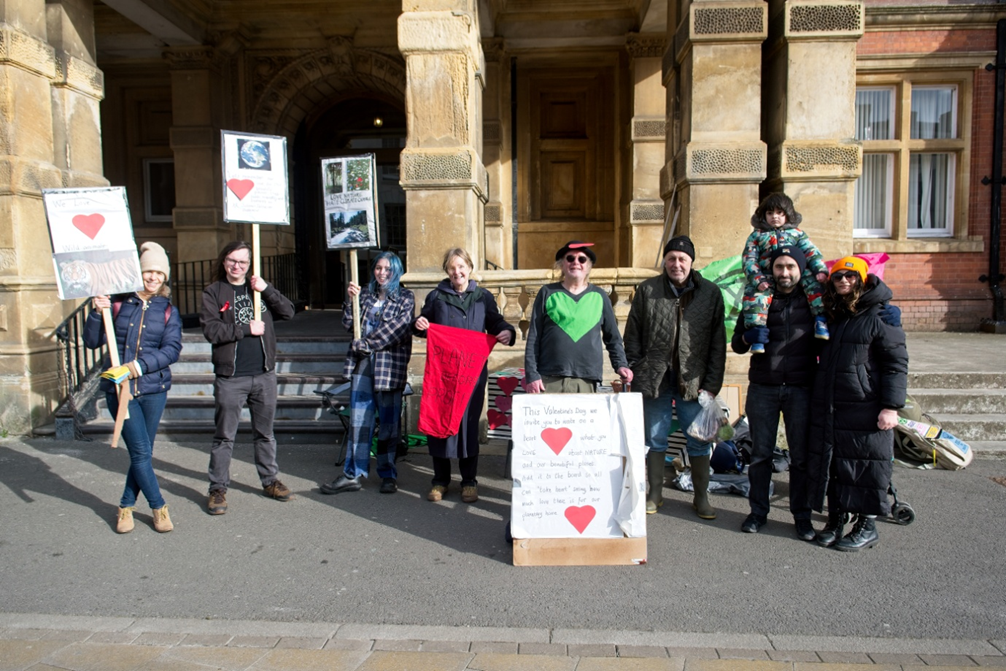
(256, 188)
(350, 202)
(93, 250)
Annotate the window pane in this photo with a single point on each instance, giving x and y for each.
(872, 199)
(874, 109)
(933, 113)
(930, 183)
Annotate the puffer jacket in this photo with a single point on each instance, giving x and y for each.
(863, 369)
(763, 242)
(790, 356)
(685, 334)
(143, 333)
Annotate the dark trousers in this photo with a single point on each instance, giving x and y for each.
(231, 394)
(469, 467)
(763, 406)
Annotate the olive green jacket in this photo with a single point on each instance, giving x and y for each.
(682, 333)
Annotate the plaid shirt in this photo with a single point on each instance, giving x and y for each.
(391, 341)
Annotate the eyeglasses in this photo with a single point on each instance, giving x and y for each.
(840, 275)
(236, 263)
(578, 259)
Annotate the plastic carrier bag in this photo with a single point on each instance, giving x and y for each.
(711, 423)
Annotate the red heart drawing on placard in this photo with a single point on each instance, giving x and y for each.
(240, 187)
(580, 517)
(89, 224)
(508, 384)
(497, 419)
(556, 439)
(504, 403)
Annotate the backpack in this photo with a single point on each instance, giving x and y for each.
(919, 438)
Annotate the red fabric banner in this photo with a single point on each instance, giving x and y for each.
(454, 361)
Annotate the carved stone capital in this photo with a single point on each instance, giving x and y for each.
(817, 160)
(25, 51)
(201, 57)
(456, 168)
(79, 75)
(824, 20)
(645, 45)
(494, 49)
(701, 162)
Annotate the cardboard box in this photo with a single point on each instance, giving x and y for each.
(579, 551)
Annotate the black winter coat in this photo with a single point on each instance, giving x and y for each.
(791, 353)
(863, 369)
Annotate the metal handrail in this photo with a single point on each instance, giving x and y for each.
(80, 365)
(189, 278)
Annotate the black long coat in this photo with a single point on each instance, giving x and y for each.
(863, 369)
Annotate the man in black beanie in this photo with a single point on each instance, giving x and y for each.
(675, 342)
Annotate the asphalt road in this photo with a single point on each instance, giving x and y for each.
(379, 559)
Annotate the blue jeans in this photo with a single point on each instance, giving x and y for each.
(139, 432)
(764, 404)
(364, 405)
(657, 423)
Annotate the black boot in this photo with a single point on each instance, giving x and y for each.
(832, 531)
(863, 535)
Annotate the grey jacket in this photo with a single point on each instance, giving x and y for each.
(681, 333)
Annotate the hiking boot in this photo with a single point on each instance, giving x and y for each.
(125, 522)
(832, 531)
(388, 486)
(343, 483)
(863, 536)
(804, 530)
(162, 521)
(821, 328)
(277, 490)
(700, 481)
(752, 524)
(470, 493)
(757, 348)
(655, 481)
(218, 502)
(437, 493)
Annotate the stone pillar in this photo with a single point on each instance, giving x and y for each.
(442, 172)
(497, 155)
(810, 116)
(715, 156)
(647, 134)
(197, 111)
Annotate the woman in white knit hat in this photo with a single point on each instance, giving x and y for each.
(148, 334)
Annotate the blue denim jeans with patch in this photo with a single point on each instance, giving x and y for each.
(138, 432)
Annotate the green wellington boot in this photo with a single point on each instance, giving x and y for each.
(655, 480)
(700, 480)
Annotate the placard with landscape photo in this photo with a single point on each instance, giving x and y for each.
(349, 201)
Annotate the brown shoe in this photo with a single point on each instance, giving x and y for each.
(437, 493)
(125, 522)
(470, 494)
(277, 490)
(162, 521)
(218, 503)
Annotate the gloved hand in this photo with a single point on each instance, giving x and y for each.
(360, 348)
(890, 315)
(756, 334)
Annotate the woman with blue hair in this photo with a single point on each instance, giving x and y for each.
(377, 363)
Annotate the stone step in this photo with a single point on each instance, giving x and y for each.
(287, 432)
(299, 408)
(977, 427)
(961, 401)
(965, 380)
(287, 385)
(988, 448)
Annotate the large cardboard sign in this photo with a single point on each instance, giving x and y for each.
(350, 201)
(256, 189)
(93, 251)
(578, 466)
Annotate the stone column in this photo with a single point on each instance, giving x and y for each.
(442, 171)
(648, 133)
(810, 116)
(715, 156)
(497, 155)
(197, 111)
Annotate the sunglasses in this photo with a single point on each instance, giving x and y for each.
(570, 258)
(844, 275)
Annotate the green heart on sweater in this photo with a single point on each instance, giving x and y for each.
(575, 317)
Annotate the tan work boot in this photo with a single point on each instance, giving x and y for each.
(700, 480)
(162, 521)
(125, 522)
(655, 480)
(437, 493)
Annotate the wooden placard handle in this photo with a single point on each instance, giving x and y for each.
(256, 261)
(354, 273)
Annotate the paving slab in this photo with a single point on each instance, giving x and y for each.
(895, 645)
(230, 659)
(310, 660)
(662, 638)
(631, 664)
(642, 651)
(103, 657)
(491, 661)
(436, 633)
(736, 665)
(20, 654)
(415, 661)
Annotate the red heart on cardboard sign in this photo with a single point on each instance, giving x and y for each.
(504, 403)
(556, 439)
(240, 187)
(580, 517)
(497, 419)
(89, 224)
(508, 384)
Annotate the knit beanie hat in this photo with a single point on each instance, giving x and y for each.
(851, 263)
(153, 257)
(792, 252)
(682, 243)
